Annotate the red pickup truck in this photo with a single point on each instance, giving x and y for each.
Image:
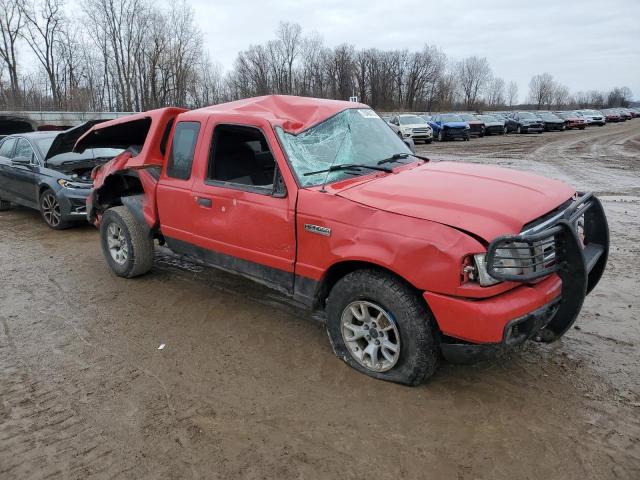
(404, 259)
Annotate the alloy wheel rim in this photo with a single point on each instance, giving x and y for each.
(117, 244)
(371, 335)
(51, 210)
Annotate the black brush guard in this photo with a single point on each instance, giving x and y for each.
(558, 248)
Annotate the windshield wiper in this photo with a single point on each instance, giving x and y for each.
(393, 158)
(349, 166)
(400, 156)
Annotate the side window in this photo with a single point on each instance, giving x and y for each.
(241, 156)
(185, 137)
(24, 149)
(7, 147)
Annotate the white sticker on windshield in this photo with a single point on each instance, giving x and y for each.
(367, 113)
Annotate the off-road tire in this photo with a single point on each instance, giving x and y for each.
(61, 224)
(419, 336)
(140, 244)
(5, 205)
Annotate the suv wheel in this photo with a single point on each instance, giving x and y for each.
(440, 136)
(126, 245)
(505, 130)
(381, 327)
(519, 129)
(4, 205)
(50, 211)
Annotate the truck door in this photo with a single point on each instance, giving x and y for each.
(245, 220)
(176, 205)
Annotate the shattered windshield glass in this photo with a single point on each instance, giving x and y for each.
(354, 136)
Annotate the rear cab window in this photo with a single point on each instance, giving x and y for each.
(185, 138)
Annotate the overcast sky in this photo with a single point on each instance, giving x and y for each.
(585, 44)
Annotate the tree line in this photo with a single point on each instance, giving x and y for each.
(134, 55)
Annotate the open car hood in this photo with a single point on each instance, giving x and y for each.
(483, 200)
(65, 140)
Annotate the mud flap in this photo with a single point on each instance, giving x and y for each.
(134, 204)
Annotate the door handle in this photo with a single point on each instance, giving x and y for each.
(204, 202)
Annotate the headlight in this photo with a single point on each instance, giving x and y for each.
(69, 184)
(506, 259)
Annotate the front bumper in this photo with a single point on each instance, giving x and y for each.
(553, 290)
(494, 129)
(73, 203)
(455, 133)
(536, 127)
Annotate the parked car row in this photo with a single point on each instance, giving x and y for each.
(451, 126)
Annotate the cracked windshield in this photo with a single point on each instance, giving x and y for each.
(354, 136)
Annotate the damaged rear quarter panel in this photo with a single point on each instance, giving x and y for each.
(426, 254)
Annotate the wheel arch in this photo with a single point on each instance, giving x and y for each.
(340, 269)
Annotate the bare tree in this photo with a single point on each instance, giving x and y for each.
(541, 88)
(560, 95)
(11, 23)
(495, 92)
(473, 74)
(619, 97)
(45, 24)
(290, 46)
(512, 94)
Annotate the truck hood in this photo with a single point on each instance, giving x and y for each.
(483, 200)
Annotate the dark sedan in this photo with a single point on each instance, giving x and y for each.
(551, 122)
(524, 122)
(38, 170)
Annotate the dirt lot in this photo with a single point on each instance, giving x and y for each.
(247, 387)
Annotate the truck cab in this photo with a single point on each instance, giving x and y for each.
(403, 259)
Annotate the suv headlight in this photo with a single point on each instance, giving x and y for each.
(69, 184)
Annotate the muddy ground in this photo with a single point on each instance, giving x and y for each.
(247, 387)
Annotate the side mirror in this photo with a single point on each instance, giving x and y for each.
(21, 161)
(409, 143)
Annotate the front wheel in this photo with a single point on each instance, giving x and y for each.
(51, 212)
(440, 136)
(5, 205)
(519, 129)
(126, 245)
(379, 326)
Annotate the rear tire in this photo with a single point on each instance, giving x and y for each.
(126, 244)
(5, 205)
(404, 321)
